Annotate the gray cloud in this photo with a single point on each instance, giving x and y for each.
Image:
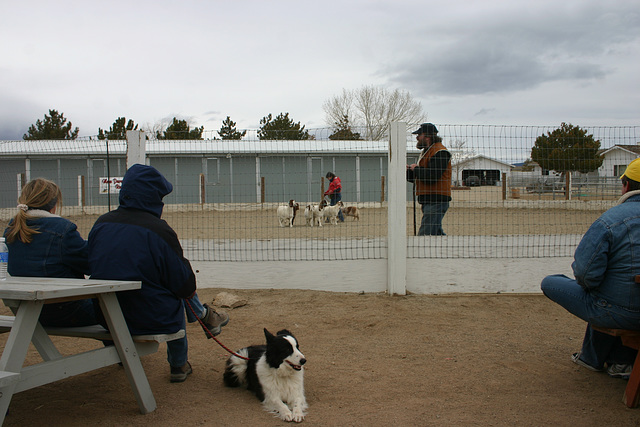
(484, 111)
(500, 55)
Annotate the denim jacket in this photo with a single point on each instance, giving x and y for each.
(57, 250)
(608, 256)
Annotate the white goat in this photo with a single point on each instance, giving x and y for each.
(312, 215)
(331, 212)
(287, 213)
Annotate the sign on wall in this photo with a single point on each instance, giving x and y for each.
(110, 186)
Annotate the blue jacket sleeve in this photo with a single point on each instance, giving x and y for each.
(74, 250)
(179, 277)
(591, 256)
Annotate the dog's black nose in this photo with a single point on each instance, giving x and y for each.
(303, 361)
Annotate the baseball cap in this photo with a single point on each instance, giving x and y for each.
(428, 128)
(633, 170)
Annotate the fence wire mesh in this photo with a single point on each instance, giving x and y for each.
(227, 192)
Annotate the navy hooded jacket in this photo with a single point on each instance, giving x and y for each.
(133, 243)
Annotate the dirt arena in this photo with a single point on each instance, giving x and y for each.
(476, 211)
(373, 360)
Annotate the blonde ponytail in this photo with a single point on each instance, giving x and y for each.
(39, 193)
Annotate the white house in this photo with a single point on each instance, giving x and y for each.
(617, 158)
(487, 169)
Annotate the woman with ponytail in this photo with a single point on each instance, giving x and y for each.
(43, 244)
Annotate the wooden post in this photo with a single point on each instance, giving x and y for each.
(567, 186)
(136, 148)
(21, 181)
(262, 190)
(203, 192)
(382, 182)
(81, 191)
(504, 186)
(322, 188)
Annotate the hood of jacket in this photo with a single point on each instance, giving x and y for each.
(143, 187)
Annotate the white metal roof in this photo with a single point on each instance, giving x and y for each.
(209, 146)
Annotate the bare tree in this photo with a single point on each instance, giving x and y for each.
(373, 108)
(339, 108)
(459, 156)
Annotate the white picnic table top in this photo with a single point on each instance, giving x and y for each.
(47, 288)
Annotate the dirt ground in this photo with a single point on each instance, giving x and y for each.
(373, 360)
(473, 212)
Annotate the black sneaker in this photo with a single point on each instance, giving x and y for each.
(575, 358)
(213, 321)
(180, 374)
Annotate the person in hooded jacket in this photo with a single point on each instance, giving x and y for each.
(134, 243)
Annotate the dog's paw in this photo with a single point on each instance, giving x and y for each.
(297, 416)
(286, 415)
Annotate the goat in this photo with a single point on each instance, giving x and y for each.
(331, 212)
(287, 213)
(313, 215)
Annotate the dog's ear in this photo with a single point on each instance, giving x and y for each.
(268, 335)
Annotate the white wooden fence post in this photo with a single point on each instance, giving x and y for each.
(136, 148)
(397, 211)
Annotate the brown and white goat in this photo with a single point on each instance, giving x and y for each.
(313, 215)
(287, 213)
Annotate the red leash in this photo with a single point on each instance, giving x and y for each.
(208, 332)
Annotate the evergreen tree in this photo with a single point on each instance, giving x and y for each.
(179, 129)
(566, 149)
(342, 130)
(54, 126)
(228, 130)
(281, 128)
(118, 130)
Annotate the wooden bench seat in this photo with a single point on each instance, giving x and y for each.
(94, 331)
(631, 339)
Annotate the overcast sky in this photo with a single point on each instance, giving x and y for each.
(503, 62)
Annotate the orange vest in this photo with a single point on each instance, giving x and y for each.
(443, 185)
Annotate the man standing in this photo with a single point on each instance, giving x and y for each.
(432, 178)
(334, 192)
(604, 292)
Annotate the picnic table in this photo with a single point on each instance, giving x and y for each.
(26, 296)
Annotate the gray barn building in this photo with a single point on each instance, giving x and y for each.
(211, 171)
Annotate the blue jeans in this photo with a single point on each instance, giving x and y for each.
(432, 214)
(335, 198)
(178, 350)
(597, 348)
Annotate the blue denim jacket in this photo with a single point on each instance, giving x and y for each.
(608, 256)
(57, 251)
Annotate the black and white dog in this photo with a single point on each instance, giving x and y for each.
(274, 372)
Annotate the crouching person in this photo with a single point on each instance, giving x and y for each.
(134, 243)
(604, 292)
